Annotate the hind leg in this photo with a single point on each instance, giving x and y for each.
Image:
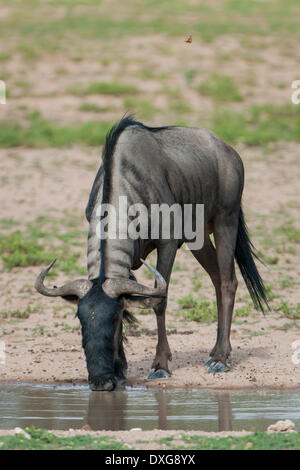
(207, 257)
(225, 232)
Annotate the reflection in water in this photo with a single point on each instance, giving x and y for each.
(106, 411)
(111, 411)
(224, 411)
(67, 407)
(162, 399)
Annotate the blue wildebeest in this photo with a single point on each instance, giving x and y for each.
(155, 165)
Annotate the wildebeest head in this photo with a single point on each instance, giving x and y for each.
(101, 310)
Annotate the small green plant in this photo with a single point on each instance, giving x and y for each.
(270, 292)
(196, 284)
(289, 232)
(39, 330)
(66, 327)
(286, 283)
(290, 311)
(287, 326)
(188, 302)
(7, 223)
(16, 313)
(199, 311)
(268, 259)
(252, 333)
(244, 311)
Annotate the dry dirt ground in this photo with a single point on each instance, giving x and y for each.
(55, 182)
(144, 440)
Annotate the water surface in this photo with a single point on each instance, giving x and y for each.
(64, 407)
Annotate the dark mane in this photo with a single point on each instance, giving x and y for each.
(110, 143)
(108, 151)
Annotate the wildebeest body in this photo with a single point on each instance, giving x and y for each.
(148, 166)
(173, 165)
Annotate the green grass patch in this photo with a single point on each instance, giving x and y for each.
(39, 330)
(286, 326)
(39, 30)
(180, 106)
(255, 441)
(220, 88)
(189, 75)
(16, 313)
(260, 125)
(268, 259)
(199, 311)
(104, 88)
(196, 284)
(29, 52)
(41, 242)
(92, 108)
(42, 133)
(4, 57)
(66, 327)
(286, 283)
(142, 108)
(17, 250)
(290, 311)
(8, 223)
(40, 439)
(289, 232)
(244, 311)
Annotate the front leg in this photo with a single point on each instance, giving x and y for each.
(165, 260)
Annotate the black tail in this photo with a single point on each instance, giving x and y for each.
(244, 255)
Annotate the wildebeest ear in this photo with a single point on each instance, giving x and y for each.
(135, 301)
(74, 299)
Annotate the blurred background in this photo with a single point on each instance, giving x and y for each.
(74, 67)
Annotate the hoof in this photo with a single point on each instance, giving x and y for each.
(208, 362)
(217, 367)
(158, 374)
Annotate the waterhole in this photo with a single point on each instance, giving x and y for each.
(64, 407)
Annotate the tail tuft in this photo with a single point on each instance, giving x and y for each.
(244, 255)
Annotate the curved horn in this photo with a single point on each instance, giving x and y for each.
(79, 287)
(115, 287)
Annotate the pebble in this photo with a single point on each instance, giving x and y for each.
(282, 426)
(21, 431)
(86, 427)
